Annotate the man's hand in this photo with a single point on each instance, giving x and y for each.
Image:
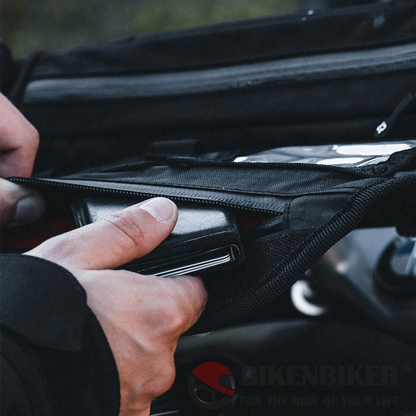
(142, 316)
(19, 143)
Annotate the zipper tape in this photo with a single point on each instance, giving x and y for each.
(263, 204)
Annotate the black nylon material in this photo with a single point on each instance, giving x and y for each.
(333, 200)
(283, 271)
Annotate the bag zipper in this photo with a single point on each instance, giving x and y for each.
(49, 183)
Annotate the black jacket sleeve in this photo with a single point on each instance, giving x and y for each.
(55, 357)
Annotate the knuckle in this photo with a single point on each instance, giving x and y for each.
(163, 381)
(174, 323)
(167, 378)
(34, 137)
(194, 293)
(198, 288)
(127, 225)
(183, 306)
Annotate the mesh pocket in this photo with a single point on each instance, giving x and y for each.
(261, 265)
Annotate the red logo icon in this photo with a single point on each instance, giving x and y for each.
(211, 385)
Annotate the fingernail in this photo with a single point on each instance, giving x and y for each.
(28, 209)
(162, 209)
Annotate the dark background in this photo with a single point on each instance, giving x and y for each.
(62, 24)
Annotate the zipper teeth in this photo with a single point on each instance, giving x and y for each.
(144, 194)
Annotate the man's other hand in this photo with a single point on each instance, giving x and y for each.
(19, 143)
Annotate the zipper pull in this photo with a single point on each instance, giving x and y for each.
(406, 106)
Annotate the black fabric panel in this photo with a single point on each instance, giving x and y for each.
(275, 262)
(237, 42)
(245, 180)
(249, 108)
(314, 210)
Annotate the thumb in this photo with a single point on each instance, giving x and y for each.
(18, 204)
(115, 240)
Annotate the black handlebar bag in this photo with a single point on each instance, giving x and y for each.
(263, 118)
(299, 210)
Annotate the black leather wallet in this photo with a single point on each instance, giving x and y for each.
(205, 239)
